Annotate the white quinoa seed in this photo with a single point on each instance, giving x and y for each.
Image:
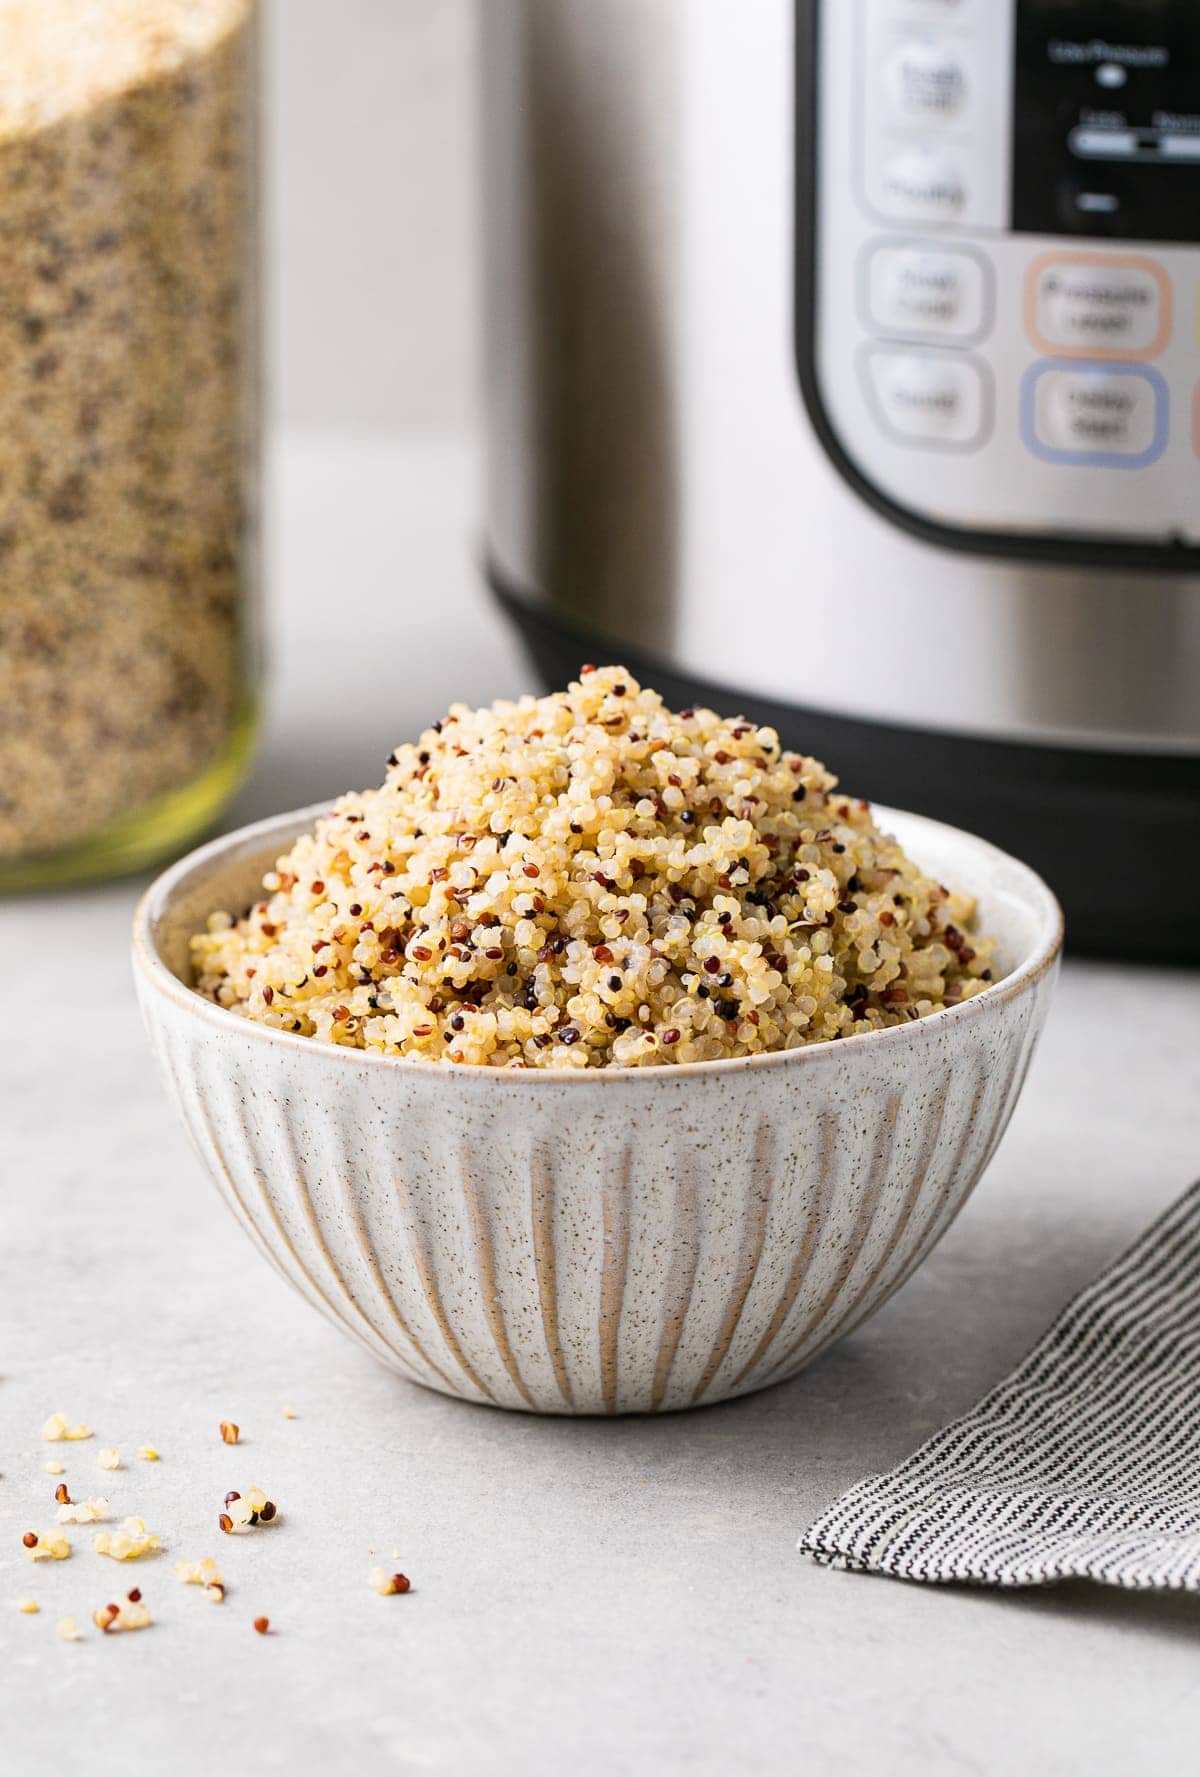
(82, 1511)
(587, 880)
(58, 1427)
(48, 1545)
(204, 1572)
(131, 1612)
(128, 1543)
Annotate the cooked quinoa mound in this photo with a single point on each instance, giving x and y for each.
(589, 880)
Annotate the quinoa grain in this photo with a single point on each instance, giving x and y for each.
(802, 914)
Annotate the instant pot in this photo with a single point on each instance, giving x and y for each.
(844, 370)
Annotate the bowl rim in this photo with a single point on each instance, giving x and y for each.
(154, 972)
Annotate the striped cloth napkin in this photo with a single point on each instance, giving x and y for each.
(1083, 1464)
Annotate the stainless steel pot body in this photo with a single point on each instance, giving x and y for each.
(654, 473)
(658, 487)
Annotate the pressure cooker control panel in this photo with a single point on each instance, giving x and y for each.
(1000, 264)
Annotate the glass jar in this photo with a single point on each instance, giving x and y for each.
(128, 427)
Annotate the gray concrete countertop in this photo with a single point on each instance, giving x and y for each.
(588, 1597)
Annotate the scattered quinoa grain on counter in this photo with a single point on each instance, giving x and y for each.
(28, 1607)
(67, 1629)
(83, 1511)
(262, 1625)
(386, 1583)
(197, 1573)
(131, 1613)
(205, 1574)
(243, 1511)
(147, 1453)
(108, 1459)
(587, 880)
(229, 1431)
(46, 1545)
(129, 1543)
(57, 1428)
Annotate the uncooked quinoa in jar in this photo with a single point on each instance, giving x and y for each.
(589, 880)
(128, 390)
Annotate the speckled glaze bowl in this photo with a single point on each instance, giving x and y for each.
(621, 1241)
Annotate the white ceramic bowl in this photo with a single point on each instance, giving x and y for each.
(613, 1241)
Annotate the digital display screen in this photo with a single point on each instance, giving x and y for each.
(1106, 119)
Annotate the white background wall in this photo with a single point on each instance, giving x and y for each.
(372, 241)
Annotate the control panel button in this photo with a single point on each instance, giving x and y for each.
(922, 184)
(1098, 306)
(1097, 414)
(937, 399)
(933, 292)
(925, 79)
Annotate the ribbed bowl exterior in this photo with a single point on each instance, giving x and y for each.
(623, 1244)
